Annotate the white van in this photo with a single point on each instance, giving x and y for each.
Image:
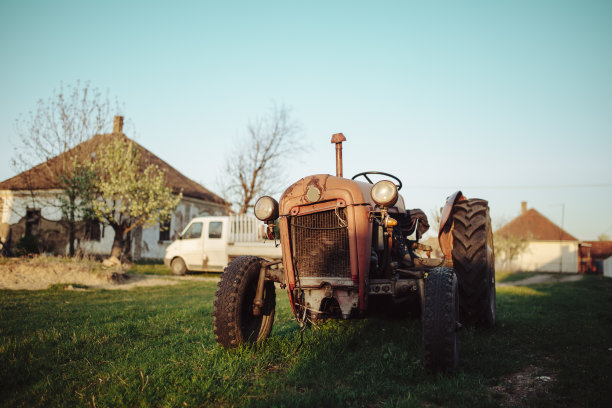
(209, 243)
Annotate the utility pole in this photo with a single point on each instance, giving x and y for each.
(562, 205)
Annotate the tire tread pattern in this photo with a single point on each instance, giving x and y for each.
(439, 320)
(471, 230)
(228, 304)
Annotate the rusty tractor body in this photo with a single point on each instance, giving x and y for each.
(346, 242)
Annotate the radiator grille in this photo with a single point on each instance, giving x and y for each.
(320, 245)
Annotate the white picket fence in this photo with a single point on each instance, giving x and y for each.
(245, 228)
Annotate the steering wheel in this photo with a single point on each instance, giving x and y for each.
(365, 174)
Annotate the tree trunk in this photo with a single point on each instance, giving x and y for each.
(122, 243)
(118, 242)
(71, 227)
(127, 246)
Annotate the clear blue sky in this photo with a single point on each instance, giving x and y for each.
(506, 100)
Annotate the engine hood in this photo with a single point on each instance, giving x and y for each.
(320, 188)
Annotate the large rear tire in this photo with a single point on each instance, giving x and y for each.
(474, 262)
(439, 320)
(233, 318)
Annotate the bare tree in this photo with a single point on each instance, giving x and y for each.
(71, 115)
(435, 217)
(67, 118)
(508, 249)
(255, 168)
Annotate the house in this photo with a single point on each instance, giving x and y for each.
(29, 206)
(597, 257)
(549, 248)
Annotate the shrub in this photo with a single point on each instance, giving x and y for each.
(28, 244)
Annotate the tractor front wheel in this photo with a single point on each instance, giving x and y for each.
(234, 320)
(439, 320)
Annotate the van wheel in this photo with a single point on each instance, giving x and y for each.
(474, 262)
(178, 266)
(233, 317)
(439, 320)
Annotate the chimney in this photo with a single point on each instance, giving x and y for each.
(523, 207)
(118, 124)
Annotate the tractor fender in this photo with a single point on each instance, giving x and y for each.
(445, 237)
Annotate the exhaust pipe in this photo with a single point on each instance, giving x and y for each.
(338, 138)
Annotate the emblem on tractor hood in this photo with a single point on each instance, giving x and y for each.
(313, 194)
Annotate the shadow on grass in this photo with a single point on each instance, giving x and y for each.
(544, 332)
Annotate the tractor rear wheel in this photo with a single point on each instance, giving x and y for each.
(439, 320)
(474, 262)
(233, 318)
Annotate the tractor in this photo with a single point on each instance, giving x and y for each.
(347, 244)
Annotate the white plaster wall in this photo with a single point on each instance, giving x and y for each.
(16, 203)
(607, 267)
(549, 256)
(7, 202)
(102, 247)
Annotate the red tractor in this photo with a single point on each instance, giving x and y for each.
(344, 244)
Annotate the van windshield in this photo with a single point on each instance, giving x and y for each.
(194, 231)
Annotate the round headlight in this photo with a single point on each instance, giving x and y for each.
(266, 209)
(384, 193)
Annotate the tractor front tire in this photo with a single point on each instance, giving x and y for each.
(439, 320)
(474, 262)
(233, 318)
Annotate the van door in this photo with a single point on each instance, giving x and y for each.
(215, 244)
(191, 245)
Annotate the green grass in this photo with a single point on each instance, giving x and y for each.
(508, 277)
(150, 268)
(154, 347)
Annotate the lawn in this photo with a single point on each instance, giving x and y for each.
(150, 268)
(508, 277)
(155, 347)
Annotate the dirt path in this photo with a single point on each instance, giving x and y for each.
(41, 273)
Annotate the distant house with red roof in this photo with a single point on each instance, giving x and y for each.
(549, 248)
(29, 205)
(596, 256)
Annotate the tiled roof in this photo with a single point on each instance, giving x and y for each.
(40, 177)
(534, 226)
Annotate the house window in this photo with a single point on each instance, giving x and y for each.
(164, 231)
(32, 224)
(92, 230)
(215, 229)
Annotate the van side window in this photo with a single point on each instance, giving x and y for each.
(194, 231)
(214, 229)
